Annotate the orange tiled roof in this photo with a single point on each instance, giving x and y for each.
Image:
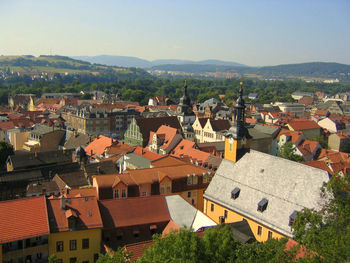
(137, 249)
(321, 112)
(319, 164)
(120, 148)
(301, 252)
(7, 125)
(168, 160)
(86, 208)
(310, 145)
(293, 135)
(98, 146)
(166, 131)
(134, 211)
(185, 149)
(144, 152)
(23, 218)
(303, 125)
(170, 227)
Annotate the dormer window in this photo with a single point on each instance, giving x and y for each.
(195, 179)
(262, 205)
(235, 193)
(189, 179)
(292, 218)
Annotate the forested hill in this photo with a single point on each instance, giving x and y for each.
(312, 69)
(316, 69)
(64, 66)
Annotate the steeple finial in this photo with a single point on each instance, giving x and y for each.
(241, 89)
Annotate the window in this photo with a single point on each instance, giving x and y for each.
(123, 193)
(72, 245)
(230, 146)
(136, 233)
(189, 195)
(262, 205)
(235, 193)
(116, 194)
(144, 193)
(85, 243)
(189, 179)
(292, 218)
(221, 219)
(225, 213)
(168, 188)
(212, 207)
(162, 188)
(269, 234)
(195, 179)
(59, 246)
(72, 260)
(259, 230)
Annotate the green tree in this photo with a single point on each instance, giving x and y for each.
(52, 259)
(272, 250)
(6, 149)
(286, 151)
(327, 231)
(182, 247)
(119, 256)
(219, 244)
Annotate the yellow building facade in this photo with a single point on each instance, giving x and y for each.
(81, 246)
(216, 211)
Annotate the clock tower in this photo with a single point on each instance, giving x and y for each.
(238, 139)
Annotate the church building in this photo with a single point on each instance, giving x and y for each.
(259, 189)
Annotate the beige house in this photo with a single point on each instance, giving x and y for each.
(209, 130)
(18, 138)
(43, 139)
(336, 140)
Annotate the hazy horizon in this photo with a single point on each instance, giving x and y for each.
(253, 33)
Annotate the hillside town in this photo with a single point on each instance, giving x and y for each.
(89, 176)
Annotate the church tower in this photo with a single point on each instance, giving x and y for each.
(186, 115)
(238, 139)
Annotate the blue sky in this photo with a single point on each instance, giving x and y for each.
(251, 32)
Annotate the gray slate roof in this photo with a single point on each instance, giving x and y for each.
(288, 186)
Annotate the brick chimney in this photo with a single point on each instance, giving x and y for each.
(63, 202)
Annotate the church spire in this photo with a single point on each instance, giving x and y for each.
(237, 140)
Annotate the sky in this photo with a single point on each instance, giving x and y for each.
(251, 32)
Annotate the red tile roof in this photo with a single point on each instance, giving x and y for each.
(144, 152)
(220, 125)
(168, 133)
(85, 208)
(168, 160)
(6, 125)
(185, 149)
(98, 146)
(299, 125)
(293, 135)
(319, 164)
(170, 227)
(137, 249)
(23, 218)
(133, 211)
(301, 251)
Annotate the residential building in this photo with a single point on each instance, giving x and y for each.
(211, 131)
(96, 149)
(296, 109)
(164, 139)
(75, 228)
(174, 177)
(138, 131)
(43, 138)
(309, 128)
(24, 230)
(337, 140)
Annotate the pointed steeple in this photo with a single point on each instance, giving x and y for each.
(238, 129)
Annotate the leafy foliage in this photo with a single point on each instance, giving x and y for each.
(119, 256)
(327, 232)
(286, 151)
(6, 149)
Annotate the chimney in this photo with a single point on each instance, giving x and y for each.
(63, 202)
(98, 169)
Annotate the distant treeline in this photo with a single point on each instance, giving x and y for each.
(139, 87)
